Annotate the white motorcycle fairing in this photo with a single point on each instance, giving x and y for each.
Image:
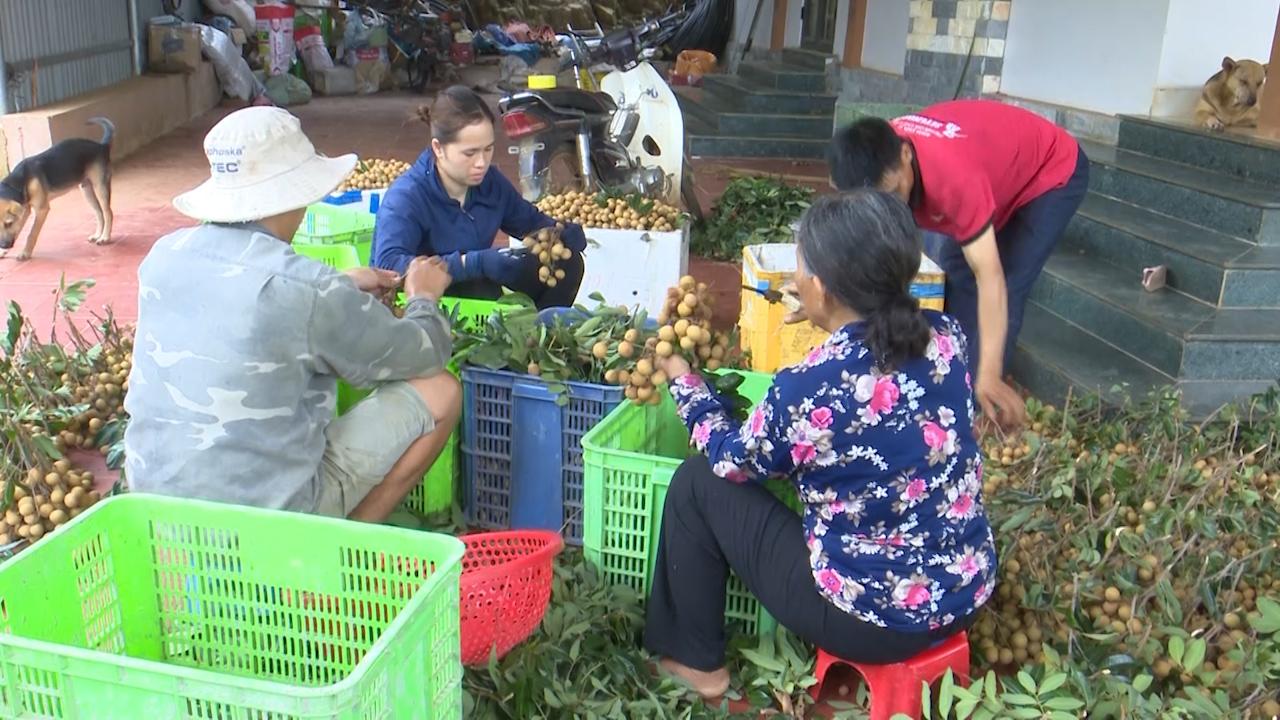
(643, 90)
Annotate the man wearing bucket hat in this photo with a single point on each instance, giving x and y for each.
(240, 342)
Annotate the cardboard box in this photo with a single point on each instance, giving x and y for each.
(173, 48)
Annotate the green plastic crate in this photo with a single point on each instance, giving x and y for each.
(327, 224)
(154, 607)
(436, 492)
(338, 257)
(629, 458)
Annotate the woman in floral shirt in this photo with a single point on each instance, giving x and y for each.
(874, 428)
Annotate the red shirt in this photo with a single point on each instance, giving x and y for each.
(980, 161)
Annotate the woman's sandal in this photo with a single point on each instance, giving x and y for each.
(709, 685)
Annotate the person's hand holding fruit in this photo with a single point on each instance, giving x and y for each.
(673, 366)
(374, 280)
(427, 277)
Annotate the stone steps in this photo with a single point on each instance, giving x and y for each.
(1174, 333)
(1056, 358)
(746, 97)
(781, 76)
(1215, 268)
(704, 141)
(725, 120)
(1204, 205)
(1235, 206)
(807, 59)
(1223, 152)
(769, 109)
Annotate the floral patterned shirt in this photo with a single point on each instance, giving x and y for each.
(887, 468)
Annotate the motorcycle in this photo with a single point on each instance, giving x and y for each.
(624, 134)
(417, 31)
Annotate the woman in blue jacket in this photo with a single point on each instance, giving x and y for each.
(453, 202)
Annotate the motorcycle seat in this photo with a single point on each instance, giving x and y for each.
(595, 103)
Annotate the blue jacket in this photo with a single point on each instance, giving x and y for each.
(417, 217)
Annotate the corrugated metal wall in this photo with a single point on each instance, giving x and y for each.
(54, 49)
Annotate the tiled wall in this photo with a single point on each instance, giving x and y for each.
(941, 35)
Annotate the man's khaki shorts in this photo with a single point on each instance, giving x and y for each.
(362, 445)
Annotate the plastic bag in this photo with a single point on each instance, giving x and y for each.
(275, 37)
(286, 90)
(372, 69)
(695, 63)
(234, 74)
(241, 11)
(311, 48)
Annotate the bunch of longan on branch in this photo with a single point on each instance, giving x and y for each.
(550, 250)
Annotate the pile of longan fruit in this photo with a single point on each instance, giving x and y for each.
(374, 174)
(102, 392)
(685, 328)
(49, 498)
(550, 250)
(613, 212)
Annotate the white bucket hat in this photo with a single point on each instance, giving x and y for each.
(261, 165)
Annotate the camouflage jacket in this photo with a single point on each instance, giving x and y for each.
(238, 349)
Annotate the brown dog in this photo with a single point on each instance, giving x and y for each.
(1232, 96)
(39, 179)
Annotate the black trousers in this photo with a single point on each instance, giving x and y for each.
(562, 295)
(710, 525)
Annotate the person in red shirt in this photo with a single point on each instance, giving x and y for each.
(999, 181)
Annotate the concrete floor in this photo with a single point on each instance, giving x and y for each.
(380, 125)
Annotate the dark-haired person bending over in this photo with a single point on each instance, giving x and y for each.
(874, 428)
(453, 202)
(1002, 183)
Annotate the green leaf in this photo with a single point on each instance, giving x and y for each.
(74, 295)
(1142, 682)
(15, 327)
(1019, 699)
(1177, 648)
(1195, 654)
(946, 694)
(1268, 621)
(551, 698)
(990, 684)
(45, 443)
(1053, 682)
(1063, 703)
(1024, 713)
(1027, 682)
(760, 660)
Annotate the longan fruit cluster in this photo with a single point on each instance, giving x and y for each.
(614, 213)
(373, 174)
(550, 250)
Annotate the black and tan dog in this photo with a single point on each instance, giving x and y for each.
(39, 179)
(1231, 98)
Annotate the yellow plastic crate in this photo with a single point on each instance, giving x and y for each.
(930, 285)
(774, 344)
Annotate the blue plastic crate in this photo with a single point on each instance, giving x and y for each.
(522, 451)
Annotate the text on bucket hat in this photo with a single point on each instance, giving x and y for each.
(261, 164)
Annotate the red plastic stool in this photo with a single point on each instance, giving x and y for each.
(896, 688)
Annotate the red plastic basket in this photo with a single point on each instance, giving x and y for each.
(506, 585)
